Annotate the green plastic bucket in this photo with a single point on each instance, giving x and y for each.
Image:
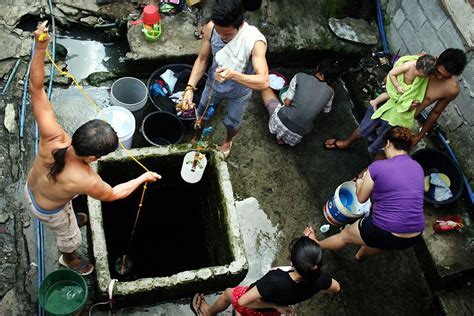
(63, 292)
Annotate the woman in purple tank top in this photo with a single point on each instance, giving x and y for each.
(396, 187)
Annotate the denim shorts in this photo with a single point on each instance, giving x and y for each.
(235, 108)
(376, 128)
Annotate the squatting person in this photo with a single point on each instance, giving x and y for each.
(396, 188)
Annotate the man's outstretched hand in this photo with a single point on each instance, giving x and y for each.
(41, 36)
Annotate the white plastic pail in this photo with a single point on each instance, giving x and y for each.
(190, 174)
(343, 207)
(123, 122)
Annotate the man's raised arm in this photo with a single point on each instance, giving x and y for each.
(42, 110)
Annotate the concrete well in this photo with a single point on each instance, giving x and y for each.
(187, 238)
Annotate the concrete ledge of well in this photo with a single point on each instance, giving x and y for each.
(183, 284)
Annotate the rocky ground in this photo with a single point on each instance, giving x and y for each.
(290, 184)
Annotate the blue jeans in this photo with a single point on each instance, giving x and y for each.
(377, 128)
(235, 108)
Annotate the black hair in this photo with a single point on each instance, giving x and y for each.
(94, 138)
(251, 5)
(400, 137)
(454, 60)
(330, 69)
(426, 64)
(228, 13)
(306, 257)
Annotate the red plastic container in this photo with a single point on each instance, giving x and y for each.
(151, 15)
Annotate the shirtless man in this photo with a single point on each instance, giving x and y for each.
(62, 168)
(443, 87)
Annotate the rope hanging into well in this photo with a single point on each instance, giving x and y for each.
(97, 108)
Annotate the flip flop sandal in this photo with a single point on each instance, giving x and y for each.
(193, 303)
(334, 143)
(85, 264)
(81, 219)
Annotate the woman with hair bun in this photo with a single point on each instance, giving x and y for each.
(396, 187)
(273, 294)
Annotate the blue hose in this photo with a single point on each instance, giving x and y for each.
(386, 50)
(451, 153)
(10, 78)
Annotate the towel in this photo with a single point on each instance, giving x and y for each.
(170, 79)
(441, 190)
(396, 111)
(236, 54)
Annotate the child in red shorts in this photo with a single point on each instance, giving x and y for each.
(273, 294)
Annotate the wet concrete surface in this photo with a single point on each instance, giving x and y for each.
(283, 188)
(291, 185)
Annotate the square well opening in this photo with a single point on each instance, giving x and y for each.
(187, 236)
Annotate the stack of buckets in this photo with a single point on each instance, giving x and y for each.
(151, 23)
(128, 96)
(343, 207)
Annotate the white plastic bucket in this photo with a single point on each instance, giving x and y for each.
(343, 207)
(123, 122)
(130, 93)
(190, 174)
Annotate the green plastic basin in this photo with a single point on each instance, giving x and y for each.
(63, 292)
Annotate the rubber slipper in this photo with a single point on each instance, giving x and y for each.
(81, 219)
(334, 143)
(85, 264)
(193, 305)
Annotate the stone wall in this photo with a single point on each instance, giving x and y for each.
(424, 25)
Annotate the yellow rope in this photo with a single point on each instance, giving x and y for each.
(81, 89)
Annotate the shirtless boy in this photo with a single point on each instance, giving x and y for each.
(62, 168)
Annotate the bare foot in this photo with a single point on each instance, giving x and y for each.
(373, 104)
(225, 148)
(359, 258)
(334, 144)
